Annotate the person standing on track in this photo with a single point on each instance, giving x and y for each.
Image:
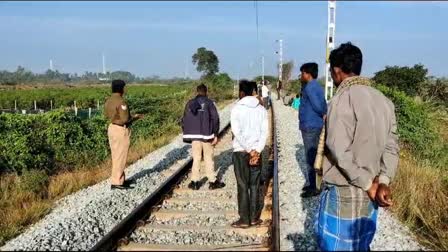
(360, 158)
(249, 122)
(265, 95)
(119, 115)
(312, 110)
(200, 126)
(279, 89)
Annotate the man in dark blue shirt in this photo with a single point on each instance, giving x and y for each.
(312, 111)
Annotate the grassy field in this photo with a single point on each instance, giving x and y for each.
(67, 144)
(86, 96)
(420, 189)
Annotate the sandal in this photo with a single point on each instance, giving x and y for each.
(240, 224)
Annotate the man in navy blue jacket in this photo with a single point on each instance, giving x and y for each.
(200, 126)
(312, 111)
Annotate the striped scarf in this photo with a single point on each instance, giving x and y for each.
(354, 80)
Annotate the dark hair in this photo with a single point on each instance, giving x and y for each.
(310, 68)
(297, 96)
(254, 86)
(247, 87)
(348, 57)
(118, 86)
(201, 89)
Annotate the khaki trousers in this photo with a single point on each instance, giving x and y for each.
(119, 140)
(198, 148)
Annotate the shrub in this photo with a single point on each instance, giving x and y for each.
(33, 181)
(406, 79)
(415, 128)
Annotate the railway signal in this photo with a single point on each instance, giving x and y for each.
(330, 46)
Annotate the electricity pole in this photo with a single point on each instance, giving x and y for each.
(330, 46)
(280, 54)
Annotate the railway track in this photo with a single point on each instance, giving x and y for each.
(175, 217)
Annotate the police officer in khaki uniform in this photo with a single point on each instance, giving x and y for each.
(119, 133)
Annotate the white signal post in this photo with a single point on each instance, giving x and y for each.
(330, 46)
(280, 54)
(262, 68)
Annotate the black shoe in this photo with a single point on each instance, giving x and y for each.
(306, 188)
(310, 193)
(129, 182)
(216, 185)
(121, 187)
(240, 224)
(194, 185)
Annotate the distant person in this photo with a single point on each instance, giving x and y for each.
(119, 115)
(312, 110)
(200, 125)
(296, 102)
(256, 91)
(361, 157)
(279, 88)
(265, 95)
(249, 122)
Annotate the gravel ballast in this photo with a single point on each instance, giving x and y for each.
(81, 219)
(200, 217)
(297, 214)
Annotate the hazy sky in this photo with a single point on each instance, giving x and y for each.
(159, 38)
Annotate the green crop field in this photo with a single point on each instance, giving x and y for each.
(58, 139)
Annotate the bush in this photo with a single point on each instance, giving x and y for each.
(406, 79)
(33, 181)
(59, 140)
(220, 87)
(415, 128)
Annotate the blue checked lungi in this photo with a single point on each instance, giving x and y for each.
(346, 219)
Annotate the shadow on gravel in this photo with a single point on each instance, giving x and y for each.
(301, 159)
(223, 162)
(306, 240)
(170, 158)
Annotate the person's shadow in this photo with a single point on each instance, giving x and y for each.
(223, 161)
(306, 240)
(169, 159)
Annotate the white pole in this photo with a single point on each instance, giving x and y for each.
(51, 65)
(15, 104)
(76, 110)
(262, 68)
(35, 105)
(281, 59)
(90, 112)
(104, 64)
(97, 104)
(330, 46)
(51, 104)
(280, 54)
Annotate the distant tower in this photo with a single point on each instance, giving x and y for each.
(330, 46)
(104, 64)
(186, 70)
(51, 65)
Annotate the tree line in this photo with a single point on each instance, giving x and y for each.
(25, 76)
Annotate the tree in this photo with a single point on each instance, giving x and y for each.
(435, 90)
(406, 79)
(286, 74)
(123, 75)
(206, 62)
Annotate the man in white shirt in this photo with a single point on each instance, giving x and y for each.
(249, 122)
(265, 95)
